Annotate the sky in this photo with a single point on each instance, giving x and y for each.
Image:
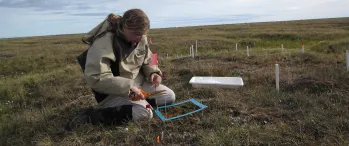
(23, 18)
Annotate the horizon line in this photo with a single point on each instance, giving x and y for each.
(183, 26)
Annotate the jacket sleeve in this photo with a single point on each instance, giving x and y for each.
(98, 74)
(147, 68)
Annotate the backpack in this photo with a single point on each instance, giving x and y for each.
(89, 38)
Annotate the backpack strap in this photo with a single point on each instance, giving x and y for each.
(115, 65)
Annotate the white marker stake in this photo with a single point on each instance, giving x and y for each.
(196, 47)
(192, 48)
(162, 136)
(202, 111)
(165, 109)
(277, 77)
(303, 48)
(347, 60)
(248, 52)
(282, 46)
(189, 51)
(236, 47)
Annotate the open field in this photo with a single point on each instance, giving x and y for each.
(42, 89)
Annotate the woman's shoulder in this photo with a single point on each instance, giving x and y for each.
(107, 37)
(104, 41)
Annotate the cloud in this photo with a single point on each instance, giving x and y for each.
(292, 8)
(49, 5)
(54, 13)
(64, 16)
(39, 4)
(89, 14)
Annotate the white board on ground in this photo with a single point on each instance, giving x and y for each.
(222, 82)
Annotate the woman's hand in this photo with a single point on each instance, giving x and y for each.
(155, 79)
(135, 94)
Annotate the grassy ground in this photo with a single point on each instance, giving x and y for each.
(41, 88)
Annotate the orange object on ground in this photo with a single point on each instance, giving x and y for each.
(158, 139)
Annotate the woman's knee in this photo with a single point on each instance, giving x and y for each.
(140, 113)
(171, 97)
(168, 98)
